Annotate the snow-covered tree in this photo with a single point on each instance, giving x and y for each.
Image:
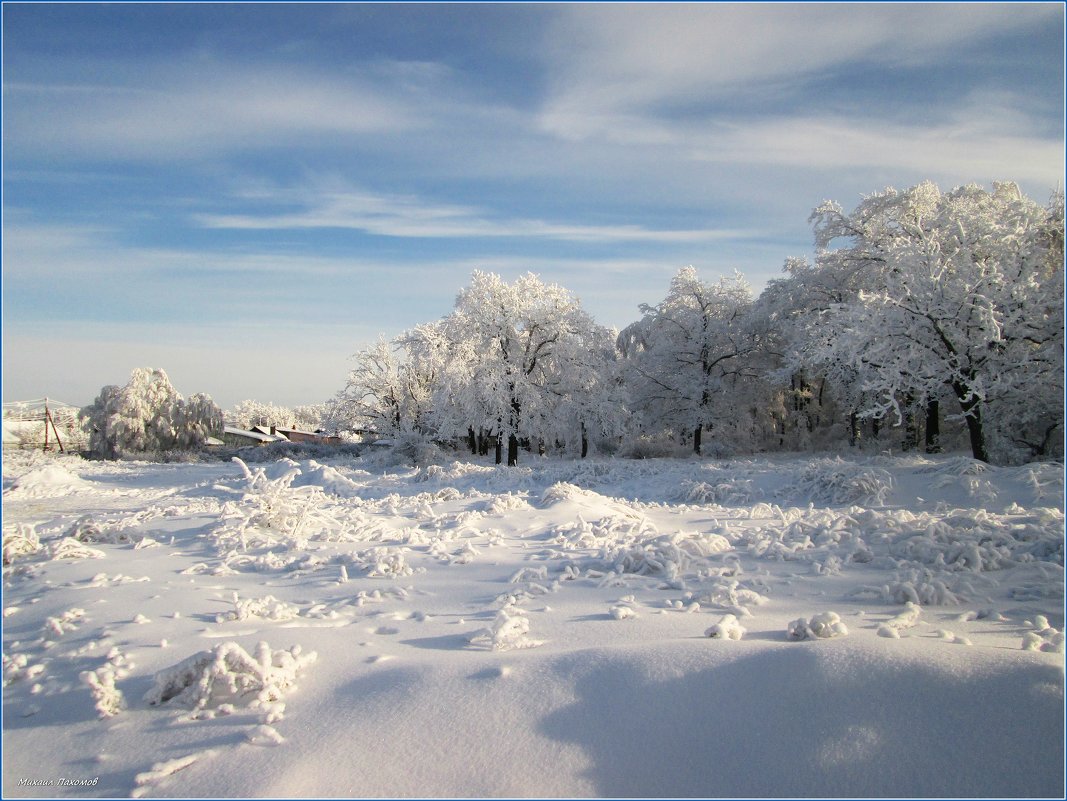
(521, 361)
(963, 294)
(814, 392)
(694, 357)
(388, 390)
(250, 413)
(148, 415)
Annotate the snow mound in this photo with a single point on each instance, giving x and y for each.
(48, 481)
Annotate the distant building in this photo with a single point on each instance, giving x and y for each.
(319, 438)
(240, 437)
(264, 435)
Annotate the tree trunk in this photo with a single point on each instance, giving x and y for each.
(853, 429)
(513, 450)
(499, 448)
(696, 439)
(472, 441)
(585, 442)
(911, 430)
(972, 413)
(933, 427)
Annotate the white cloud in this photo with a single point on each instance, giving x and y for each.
(615, 64)
(327, 206)
(966, 148)
(33, 249)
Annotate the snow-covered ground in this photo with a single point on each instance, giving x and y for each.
(770, 627)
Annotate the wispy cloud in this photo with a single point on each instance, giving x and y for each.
(408, 216)
(198, 109)
(979, 143)
(608, 66)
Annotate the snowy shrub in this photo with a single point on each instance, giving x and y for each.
(1048, 640)
(732, 595)
(227, 674)
(266, 608)
(654, 446)
(726, 629)
(724, 492)
(661, 556)
(833, 481)
(823, 626)
(624, 609)
(107, 698)
(385, 561)
(273, 511)
(20, 540)
(68, 621)
(509, 502)
(508, 632)
(70, 548)
(148, 415)
(906, 619)
(17, 667)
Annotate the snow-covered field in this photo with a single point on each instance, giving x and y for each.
(770, 627)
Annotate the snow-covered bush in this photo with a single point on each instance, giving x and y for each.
(107, 698)
(508, 632)
(726, 629)
(228, 674)
(825, 625)
(266, 608)
(148, 416)
(834, 481)
(274, 511)
(20, 540)
(723, 491)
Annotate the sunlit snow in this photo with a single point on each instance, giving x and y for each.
(787, 626)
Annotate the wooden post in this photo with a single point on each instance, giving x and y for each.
(48, 421)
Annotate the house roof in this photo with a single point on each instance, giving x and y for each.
(253, 435)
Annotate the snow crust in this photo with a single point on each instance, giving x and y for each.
(599, 628)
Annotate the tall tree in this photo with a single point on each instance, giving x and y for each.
(693, 349)
(518, 356)
(965, 294)
(388, 390)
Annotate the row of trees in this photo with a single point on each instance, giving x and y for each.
(250, 413)
(921, 308)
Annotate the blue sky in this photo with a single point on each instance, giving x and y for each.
(247, 194)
